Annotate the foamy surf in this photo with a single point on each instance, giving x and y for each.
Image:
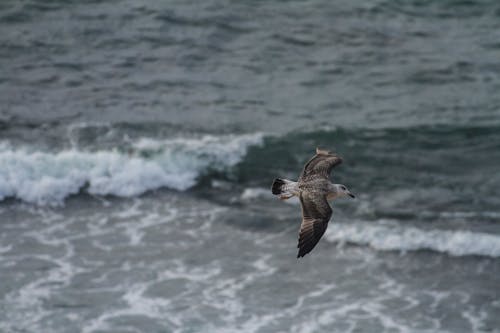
(148, 164)
(258, 193)
(396, 238)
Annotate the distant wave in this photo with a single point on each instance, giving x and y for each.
(147, 164)
(394, 238)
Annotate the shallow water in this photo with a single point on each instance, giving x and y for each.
(138, 143)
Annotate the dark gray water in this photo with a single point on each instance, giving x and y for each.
(138, 142)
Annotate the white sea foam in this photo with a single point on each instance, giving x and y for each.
(397, 238)
(258, 193)
(253, 193)
(462, 215)
(49, 177)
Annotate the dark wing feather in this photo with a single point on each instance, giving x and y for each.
(320, 165)
(316, 213)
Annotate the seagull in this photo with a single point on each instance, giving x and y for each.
(314, 189)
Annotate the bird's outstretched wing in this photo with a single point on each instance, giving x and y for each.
(316, 213)
(320, 165)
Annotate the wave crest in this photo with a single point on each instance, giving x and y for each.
(394, 238)
(49, 177)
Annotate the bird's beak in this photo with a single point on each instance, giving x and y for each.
(351, 195)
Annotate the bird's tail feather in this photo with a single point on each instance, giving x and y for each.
(284, 188)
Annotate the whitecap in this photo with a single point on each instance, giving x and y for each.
(253, 193)
(258, 193)
(49, 177)
(397, 238)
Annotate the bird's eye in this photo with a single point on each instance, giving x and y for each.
(344, 188)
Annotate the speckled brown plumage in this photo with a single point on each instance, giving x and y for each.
(314, 189)
(314, 185)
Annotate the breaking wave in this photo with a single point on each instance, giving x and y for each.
(147, 164)
(395, 238)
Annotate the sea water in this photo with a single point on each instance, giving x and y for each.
(139, 141)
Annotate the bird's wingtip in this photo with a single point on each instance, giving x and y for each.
(301, 254)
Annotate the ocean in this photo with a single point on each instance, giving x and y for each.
(139, 142)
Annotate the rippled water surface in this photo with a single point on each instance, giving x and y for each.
(138, 142)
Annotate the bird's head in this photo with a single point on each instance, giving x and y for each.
(343, 191)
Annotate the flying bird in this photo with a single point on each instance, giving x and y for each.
(314, 189)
